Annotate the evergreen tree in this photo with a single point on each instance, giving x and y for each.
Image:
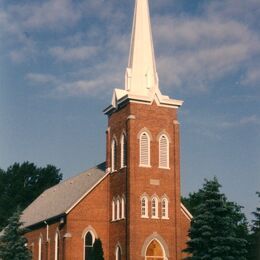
(255, 236)
(12, 242)
(214, 232)
(97, 251)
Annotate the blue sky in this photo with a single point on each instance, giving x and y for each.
(61, 59)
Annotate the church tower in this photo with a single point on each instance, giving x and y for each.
(143, 158)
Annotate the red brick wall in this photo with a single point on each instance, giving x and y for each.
(156, 119)
(185, 225)
(48, 245)
(91, 211)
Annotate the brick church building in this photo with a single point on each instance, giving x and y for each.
(131, 202)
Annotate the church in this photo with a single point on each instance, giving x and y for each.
(131, 202)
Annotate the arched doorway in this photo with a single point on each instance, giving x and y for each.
(155, 251)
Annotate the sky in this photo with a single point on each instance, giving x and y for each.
(61, 59)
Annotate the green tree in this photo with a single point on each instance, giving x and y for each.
(97, 251)
(218, 227)
(20, 184)
(12, 242)
(255, 235)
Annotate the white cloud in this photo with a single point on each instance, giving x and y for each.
(41, 78)
(252, 77)
(192, 51)
(244, 121)
(72, 54)
(195, 52)
(48, 14)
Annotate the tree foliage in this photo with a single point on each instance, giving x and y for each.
(255, 235)
(218, 228)
(97, 251)
(12, 242)
(20, 184)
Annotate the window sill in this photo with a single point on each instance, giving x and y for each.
(116, 220)
(114, 171)
(122, 167)
(145, 166)
(144, 216)
(164, 168)
(165, 218)
(155, 217)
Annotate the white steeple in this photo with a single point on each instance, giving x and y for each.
(141, 79)
(141, 75)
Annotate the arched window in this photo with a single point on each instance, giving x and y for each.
(163, 152)
(165, 210)
(123, 150)
(117, 209)
(113, 210)
(144, 207)
(154, 251)
(57, 246)
(144, 144)
(88, 244)
(113, 155)
(122, 207)
(118, 253)
(154, 207)
(40, 248)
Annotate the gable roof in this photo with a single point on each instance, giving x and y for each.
(61, 198)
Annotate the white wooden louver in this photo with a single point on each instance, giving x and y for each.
(163, 152)
(144, 150)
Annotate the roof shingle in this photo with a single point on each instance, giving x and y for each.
(58, 199)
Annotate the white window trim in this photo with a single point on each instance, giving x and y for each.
(123, 207)
(118, 250)
(113, 163)
(113, 210)
(166, 208)
(56, 245)
(93, 241)
(146, 215)
(156, 216)
(167, 152)
(117, 208)
(148, 165)
(40, 248)
(123, 140)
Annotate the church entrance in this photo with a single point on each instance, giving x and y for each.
(155, 251)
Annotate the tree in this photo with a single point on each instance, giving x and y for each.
(20, 184)
(255, 235)
(97, 251)
(12, 242)
(217, 227)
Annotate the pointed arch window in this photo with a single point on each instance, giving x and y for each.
(144, 207)
(40, 248)
(163, 151)
(113, 155)
(144, 146)
(88, 244)
(118, 253)
(165, 208)
(123, 150)
(155, 207)
(118, 208)
(113, 210)
(57, 246)
(122, 207)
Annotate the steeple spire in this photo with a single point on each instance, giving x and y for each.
(141, 76)
(141, 79)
